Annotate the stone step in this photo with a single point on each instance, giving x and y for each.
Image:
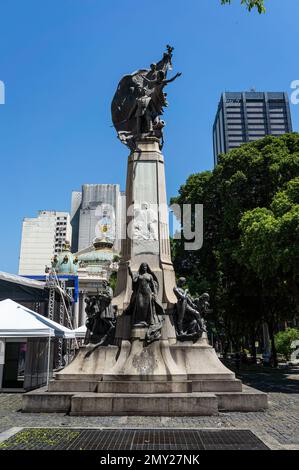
(170, 386)
(41, 401)
(145, 387)
(212, 376)
(144, 378)
(79, 377)
(143, 404)
(217, 385)
(121, 404)
(72, 386)
(249, 399)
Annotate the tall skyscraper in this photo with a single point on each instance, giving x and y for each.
(245, 117)
(42, 237)
(96, 212)
(75, 218)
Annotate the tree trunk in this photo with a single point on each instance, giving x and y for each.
(254, 337)
(294, 288)
(225, 349)
(273, 348)
(253, 349)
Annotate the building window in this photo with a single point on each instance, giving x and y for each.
(256, 126)
(255, 104)
(234, 116)
(234, 126)
(280, 127)
(278, 132)
(256, 121)
(235, 133)
(256, 132)
(277, 121)
(238, 138)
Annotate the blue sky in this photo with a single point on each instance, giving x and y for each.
(61, 61)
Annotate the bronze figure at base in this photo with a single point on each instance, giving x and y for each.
(188, 312)
(101, 318)
(145, 308)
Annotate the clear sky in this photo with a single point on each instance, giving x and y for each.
(61, 61)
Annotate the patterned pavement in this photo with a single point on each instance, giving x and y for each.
(278, 427)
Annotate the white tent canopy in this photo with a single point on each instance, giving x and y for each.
(80, 332)
(60, 330)
(24, 281)
(19, 321)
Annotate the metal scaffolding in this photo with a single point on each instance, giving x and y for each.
(57, 285)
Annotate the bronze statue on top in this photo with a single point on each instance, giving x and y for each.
(139, 101)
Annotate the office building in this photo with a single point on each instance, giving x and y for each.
(42, 237)
(249, 116)
(75, 218)
(96, 212)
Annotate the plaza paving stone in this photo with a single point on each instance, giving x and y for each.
(278, 426)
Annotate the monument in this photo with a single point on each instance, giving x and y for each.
(147, 350)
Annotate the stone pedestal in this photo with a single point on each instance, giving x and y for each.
(146, 204)
(94, 366)
(147, 235)
(140, 383)
(151, 363)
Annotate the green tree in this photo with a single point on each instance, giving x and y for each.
(269, 247)
(269, 239)
(283, 341)
(249, 177)
(250, 4)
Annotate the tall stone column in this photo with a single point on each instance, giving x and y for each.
(147, 231)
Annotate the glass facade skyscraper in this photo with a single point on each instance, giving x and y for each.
(248, 116)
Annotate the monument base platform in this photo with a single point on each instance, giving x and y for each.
(198, 384)
(167, 402)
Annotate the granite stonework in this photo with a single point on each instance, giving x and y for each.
(145, 182)
(140, 383)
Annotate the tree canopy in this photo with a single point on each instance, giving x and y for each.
(284, 340)
(270, 238)
(250, 4)
(249, 259)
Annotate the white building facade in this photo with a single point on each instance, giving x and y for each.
(97, 211)
(42, 237)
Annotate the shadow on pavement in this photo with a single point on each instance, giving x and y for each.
(281, 380)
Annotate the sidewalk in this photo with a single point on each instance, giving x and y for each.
(278, 427)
